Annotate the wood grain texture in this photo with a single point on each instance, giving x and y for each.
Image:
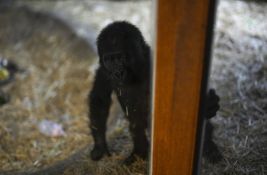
(180, 50)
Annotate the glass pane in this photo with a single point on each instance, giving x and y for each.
(237, 133)
(75, 99)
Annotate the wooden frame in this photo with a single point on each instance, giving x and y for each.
(180, 80)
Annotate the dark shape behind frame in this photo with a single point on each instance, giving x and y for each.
(200, 135)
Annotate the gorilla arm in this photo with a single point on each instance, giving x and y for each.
(99, 102)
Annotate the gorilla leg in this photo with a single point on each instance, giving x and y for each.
(140, 142)
(100, 100)
(210, 150)
(98, 128)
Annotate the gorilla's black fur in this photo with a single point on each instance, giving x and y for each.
(125, 68)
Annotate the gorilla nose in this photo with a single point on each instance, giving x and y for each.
(120, 75)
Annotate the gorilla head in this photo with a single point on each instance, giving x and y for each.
(123, 52)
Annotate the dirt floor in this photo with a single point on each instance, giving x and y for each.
(53, 42)
(54, 86)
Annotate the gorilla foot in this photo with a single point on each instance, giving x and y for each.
(98, 152)
(130, 160)
(134, 157)
(212, 154)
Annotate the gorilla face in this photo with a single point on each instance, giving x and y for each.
(123, 53)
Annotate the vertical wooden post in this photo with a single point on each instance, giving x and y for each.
(180, 52)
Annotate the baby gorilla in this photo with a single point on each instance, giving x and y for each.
(210, 149)
(125, 68)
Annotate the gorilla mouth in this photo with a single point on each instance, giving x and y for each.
(119, 75)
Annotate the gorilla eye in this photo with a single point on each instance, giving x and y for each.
(119, 59)
(113, 60)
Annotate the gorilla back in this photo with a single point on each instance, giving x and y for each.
(125, 68)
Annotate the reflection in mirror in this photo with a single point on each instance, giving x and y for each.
(74, 87)
(239, 76)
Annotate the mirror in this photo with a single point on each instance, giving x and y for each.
(49, 63)
(238, 74)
